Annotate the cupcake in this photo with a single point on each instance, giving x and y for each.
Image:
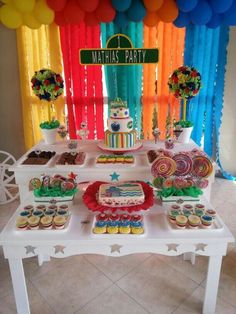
(46, 222)
(198, 212)
(64, 207)
(41, 207)
(25, 213)
(186, 212)
(211, 212)
(194, 221)
(59, 222)
(52, 207)
(181, 221)
(22, 223)
(113, 227)
(125, 217)
(29, 208)
(136, 218)
(102, 217)
(33, 222)
(37, 213)
(50, 212)
(114, 217)
(100, 227)
(137, 227)
(188, 207)
(62, 212)
(172, 214)
(124, 227)
(206, 221)
(200, 206)
(175, 207)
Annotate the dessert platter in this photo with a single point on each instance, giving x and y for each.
(106, 160)
(56, 187)
(43, 217)
(71, 159)
(120, 137)
(192, 217)
(38, 158)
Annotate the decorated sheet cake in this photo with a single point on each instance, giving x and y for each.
(122, 194)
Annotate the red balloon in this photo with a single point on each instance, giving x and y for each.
(72, 13)
(90, 19)
(88, 5)
(105, 12)
(57, 5)
(60, 19)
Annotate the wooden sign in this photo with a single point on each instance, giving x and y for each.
(119, 51)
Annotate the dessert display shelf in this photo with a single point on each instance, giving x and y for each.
(78, 238)
(90, 171)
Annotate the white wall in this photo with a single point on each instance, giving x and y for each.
(228, 128)
(11, 128)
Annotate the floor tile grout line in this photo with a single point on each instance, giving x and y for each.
(185, 299)
(130, 296)
(45, 300)
(79, 309)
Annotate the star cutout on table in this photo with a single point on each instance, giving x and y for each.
(72, 175)
(172, 247)
(200, 247)
(30, 249)
(59, 249)
(115, 248)
(114, 176)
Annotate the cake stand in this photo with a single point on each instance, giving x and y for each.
(119, 151)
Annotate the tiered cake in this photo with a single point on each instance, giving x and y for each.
(120, 133)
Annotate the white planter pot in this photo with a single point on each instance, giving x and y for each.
(49, 135)
(185, 135)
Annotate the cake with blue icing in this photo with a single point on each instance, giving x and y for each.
(121, 194)
(120, 132)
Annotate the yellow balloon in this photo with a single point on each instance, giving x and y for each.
(10, 17)
(30, 21)
(43, 13)
(24, 6)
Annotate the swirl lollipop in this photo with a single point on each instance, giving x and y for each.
(183, 164)
(202, 167)
(163, 166)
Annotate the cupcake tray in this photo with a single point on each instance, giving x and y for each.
(111, 164)
(68, 167)
(216, 225)
(110, 235)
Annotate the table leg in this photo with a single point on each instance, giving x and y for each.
(43, 258)
(19, 286)
(213, 275)
(189, 257)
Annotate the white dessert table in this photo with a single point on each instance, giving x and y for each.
(140, 170)
(159, 237)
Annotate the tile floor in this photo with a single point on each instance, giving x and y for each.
(135, 284)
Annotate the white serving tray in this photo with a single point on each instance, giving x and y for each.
(68, 167)
(216, 225)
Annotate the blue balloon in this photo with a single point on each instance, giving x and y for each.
(215, 21)
(220, 6)
(229, 17)
(186, 5)
(121, 5)
(136, 11)
(182, 20)
(201, 14)
(121, 20)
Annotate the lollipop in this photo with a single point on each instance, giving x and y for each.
(202, 184)
(163, 166)
(183, 164)
(180, 183)
(35, 183)
(202, 167)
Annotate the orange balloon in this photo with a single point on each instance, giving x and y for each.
(168, 11)
(151, 19)
(153, 5)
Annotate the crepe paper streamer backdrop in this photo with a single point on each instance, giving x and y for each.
(207, 50)
(84, 96)
(170, 42)
(125, 82)
(37, 49)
